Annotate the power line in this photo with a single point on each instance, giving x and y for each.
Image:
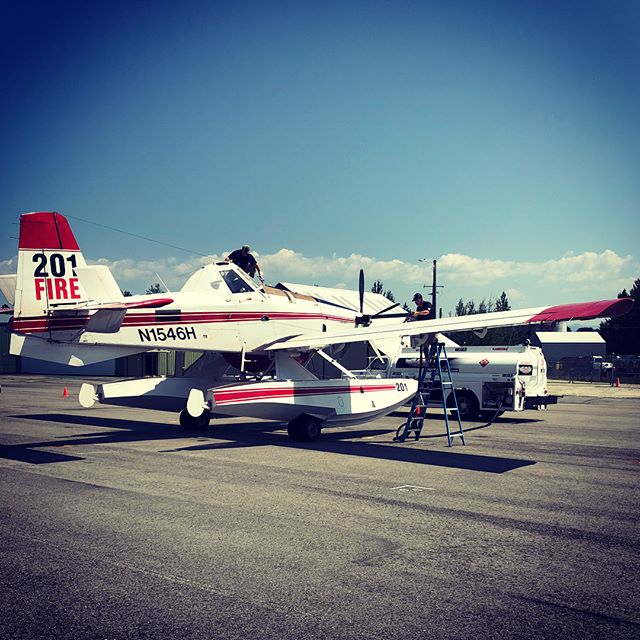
(135, 235)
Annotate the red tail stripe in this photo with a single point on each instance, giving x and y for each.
(46, 230)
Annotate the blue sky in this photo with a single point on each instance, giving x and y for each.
(500, 138)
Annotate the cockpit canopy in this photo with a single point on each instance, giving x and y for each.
(236, 283)
(220, 279)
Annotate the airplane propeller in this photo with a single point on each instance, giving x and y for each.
(365, 319)
(404, 314)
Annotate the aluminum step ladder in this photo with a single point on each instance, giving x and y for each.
(434, 374)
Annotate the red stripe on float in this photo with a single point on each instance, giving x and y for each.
(232, 396)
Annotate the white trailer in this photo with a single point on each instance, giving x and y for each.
(488, 380)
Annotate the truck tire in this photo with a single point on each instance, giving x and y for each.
(468, 405)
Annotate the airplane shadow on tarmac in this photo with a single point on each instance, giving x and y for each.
(249, 434)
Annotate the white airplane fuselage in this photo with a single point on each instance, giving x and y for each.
(206, 315)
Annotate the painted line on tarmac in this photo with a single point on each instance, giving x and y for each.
(412, 488)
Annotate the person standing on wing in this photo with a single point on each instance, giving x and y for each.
(423, 308)
(243, 258)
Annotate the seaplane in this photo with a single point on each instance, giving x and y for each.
(73, 313)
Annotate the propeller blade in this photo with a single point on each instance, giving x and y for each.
(405, 314)
(361, 290)
(379, 313)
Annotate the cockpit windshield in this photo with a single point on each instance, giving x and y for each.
(235, 283)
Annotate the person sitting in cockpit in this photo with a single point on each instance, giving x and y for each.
(243, 258)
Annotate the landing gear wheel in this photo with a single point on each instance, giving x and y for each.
(468, 405)
(304, 429)
(194, 424)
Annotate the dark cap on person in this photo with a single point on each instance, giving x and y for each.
(416, 295)
(246, 247)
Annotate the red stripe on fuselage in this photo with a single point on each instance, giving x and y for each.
(200, 317)
(44, 323)
(49, 323)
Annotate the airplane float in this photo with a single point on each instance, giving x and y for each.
(71, 313)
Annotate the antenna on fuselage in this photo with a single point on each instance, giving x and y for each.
(161, 281)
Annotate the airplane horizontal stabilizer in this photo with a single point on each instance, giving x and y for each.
(99, 283)
(8, 287)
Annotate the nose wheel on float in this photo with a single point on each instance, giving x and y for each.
(304, 428)
(194, 424)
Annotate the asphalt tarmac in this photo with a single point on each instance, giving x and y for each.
(116, 524)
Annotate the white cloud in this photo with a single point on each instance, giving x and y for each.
(514, 294)
(586, 267)
(582, 270)
(589, 274)
(8, 266)
(293, 264)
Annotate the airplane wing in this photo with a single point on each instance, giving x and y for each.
(535, 315)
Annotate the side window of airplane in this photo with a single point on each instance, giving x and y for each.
(235, 283)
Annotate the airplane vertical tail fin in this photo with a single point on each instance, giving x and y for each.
(48, 256)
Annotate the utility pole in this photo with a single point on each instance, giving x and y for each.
(434, 288)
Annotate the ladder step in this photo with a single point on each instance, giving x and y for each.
(432, 378)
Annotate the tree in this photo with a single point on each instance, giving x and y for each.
(622, 334)
(156, 287)
(497, 336)
(502, 303)
(378, 287)
(126, 293)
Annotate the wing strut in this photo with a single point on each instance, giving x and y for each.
(336, 364)
(243, 357)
